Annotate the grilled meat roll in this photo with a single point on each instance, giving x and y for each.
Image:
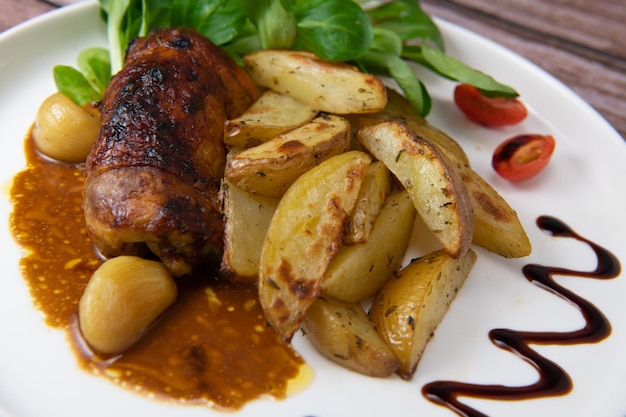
(153, 175)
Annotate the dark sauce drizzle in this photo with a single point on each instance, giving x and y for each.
(553, 380)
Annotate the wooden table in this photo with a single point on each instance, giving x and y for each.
(580, 42)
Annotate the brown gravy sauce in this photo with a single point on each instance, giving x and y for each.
(553, 380)
(212, 347)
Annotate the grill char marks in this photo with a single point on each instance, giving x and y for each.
(152, 178)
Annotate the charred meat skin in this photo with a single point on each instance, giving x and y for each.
(152, 177)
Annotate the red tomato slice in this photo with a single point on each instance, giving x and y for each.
(522, 157)
(488, 111)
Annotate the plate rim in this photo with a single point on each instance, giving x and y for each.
(82, 7)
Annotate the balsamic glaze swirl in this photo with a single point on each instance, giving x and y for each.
(553, 380)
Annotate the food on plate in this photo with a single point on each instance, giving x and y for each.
(211, 325)
(330, 87)
(434, 184)
(304, 235)
(408, 309)
(153, 175)
(291, 190)
(122, 299)
(358, 271)
(270, 115)
(300, 206)
(65, 131)
(486, 110)
(398, 108)
(343, 333)
(497, 226)
(523, 156)
(270, 168)
(374, 190)
(246, 220)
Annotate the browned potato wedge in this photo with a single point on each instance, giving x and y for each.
(399, 109)
(374, 190)
(357, 272)
(270, 168)
(448, 146)
(434, 184)
(497, 227)
(409, 307)
(303, 237)
(270, 115)
(343, 333)
(246, 219)
(328, 86)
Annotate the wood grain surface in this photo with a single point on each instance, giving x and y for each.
(580, 42)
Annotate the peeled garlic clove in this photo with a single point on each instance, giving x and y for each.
(122, 299)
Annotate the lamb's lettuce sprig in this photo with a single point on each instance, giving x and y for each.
(87, 82)
(384, 39)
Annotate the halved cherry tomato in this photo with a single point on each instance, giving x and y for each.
(522, 157)
(488, 111)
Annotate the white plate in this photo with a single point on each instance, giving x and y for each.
(583, 186)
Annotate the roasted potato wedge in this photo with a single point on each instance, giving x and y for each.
(497, 227)
(410, 306)
(270, 168)
(271, 115)
(357, 272)
(374, 190)
(399, 109)
(446, 145)
(246, 219)
(328, 86)
(304, 235)
(433, 182)
(343, 333)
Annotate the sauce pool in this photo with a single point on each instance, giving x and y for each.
(212, 347)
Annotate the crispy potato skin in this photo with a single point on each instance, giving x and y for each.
(409, 307)
(399, 109)
(497, 227)
(271, 115)
(269, 169)
(160, 145)
(343, 333)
